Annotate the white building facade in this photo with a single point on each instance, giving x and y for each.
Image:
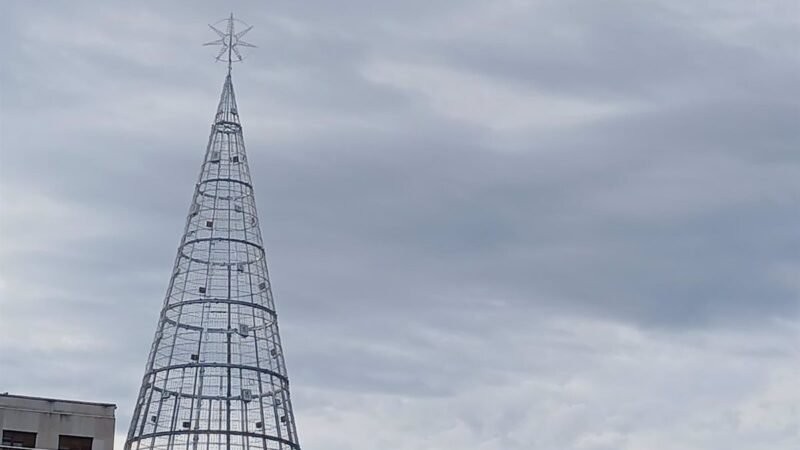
(51, 424)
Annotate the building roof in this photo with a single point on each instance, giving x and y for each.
(78, 402)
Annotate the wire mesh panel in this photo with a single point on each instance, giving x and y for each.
(215, 377)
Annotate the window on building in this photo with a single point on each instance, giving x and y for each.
(19, 439)
(74, 443)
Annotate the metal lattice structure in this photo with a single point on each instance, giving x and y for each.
(215, 377)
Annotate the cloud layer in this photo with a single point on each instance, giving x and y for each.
(515, 224)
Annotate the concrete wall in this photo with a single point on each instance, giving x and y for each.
(50, 418)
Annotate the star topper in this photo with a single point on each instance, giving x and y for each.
(230, 40)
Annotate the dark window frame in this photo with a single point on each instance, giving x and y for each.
(69, 442)
(8, 438)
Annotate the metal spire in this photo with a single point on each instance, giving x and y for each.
(215, 377)
(230, 40)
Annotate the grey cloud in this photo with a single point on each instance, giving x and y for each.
(452, 283)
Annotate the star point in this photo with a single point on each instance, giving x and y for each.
(230, 40)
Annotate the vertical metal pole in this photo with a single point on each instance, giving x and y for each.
(229, 393)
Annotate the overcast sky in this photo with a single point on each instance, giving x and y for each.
(506, 224)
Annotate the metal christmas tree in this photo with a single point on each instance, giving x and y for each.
(215, 376)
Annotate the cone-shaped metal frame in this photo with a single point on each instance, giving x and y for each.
(215, 377)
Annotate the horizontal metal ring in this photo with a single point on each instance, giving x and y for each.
(218, 432)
